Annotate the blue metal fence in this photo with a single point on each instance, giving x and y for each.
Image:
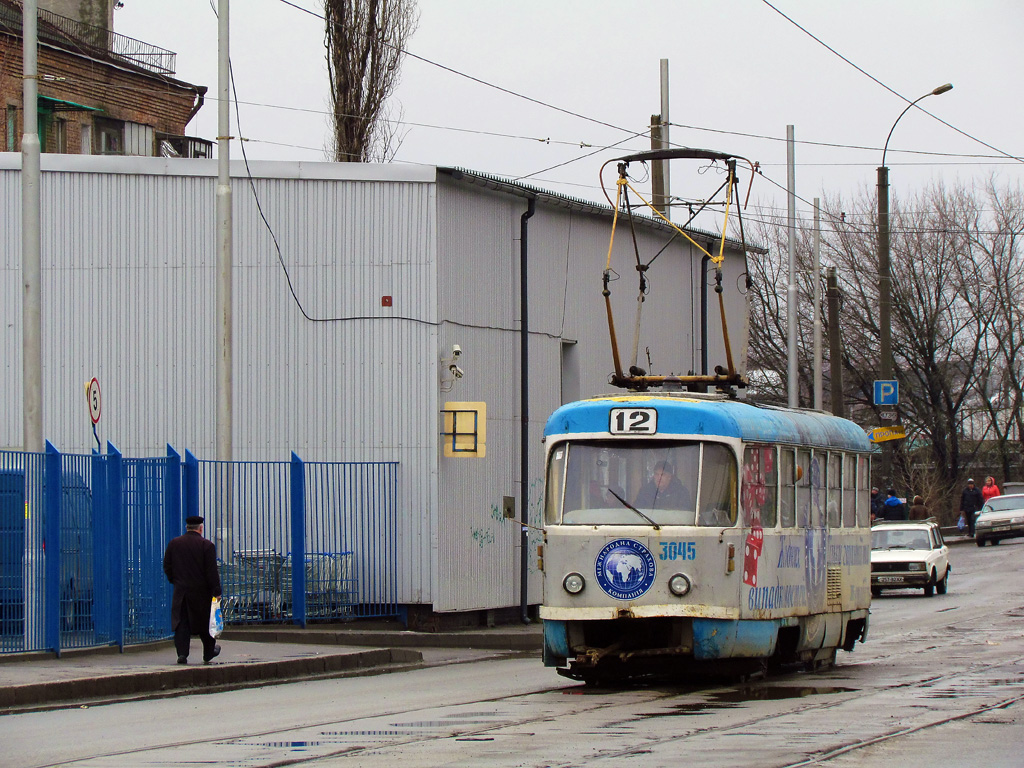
(109, 518)
(338, 519)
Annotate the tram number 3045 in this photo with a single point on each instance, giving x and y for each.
(633, 421)
(678, 550)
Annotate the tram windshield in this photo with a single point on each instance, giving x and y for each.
(615, 482)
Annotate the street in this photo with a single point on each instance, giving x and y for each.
(939, 680)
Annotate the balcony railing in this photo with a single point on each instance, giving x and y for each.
(86, 38)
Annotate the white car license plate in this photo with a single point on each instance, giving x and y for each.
(890, 579)
(1002, 528)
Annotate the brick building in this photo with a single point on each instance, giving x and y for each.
(99, 92)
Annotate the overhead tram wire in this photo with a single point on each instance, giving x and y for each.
(886, 87)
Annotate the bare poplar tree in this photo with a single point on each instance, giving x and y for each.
(365, 46)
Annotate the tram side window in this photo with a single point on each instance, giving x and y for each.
(717, 504)
(803, 488)
(834, 498)
(849, 491)
(863, 492)
(787, 487)
(760, 485)
(553, 493)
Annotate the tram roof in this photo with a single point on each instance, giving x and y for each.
(689, 415)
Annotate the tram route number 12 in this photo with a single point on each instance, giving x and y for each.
(633, 421)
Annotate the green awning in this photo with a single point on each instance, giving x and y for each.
(47, 104)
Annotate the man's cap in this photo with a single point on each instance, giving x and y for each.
(970, 479)
(874, 489)
(194, 520)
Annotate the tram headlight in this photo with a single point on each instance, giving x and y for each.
(573, 583)
(679, 585)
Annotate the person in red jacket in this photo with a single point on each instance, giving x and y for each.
(190, 564)
(989, 489)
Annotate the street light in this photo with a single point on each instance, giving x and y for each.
(884, 271)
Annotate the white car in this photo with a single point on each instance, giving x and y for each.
(909, 554)
(1002, 517)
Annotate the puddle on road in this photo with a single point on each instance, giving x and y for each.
(737, 696)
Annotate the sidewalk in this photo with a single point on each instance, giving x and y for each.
(251, 656)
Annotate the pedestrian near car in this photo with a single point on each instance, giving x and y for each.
(190, 564)
(918, 511)
(893, 508)
(989, 489)
(876, 504)
(971, 501)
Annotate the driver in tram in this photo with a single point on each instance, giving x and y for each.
(664, 490)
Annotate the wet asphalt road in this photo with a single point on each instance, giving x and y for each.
(940, 682)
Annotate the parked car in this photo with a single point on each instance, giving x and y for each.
(1002, 517)
(909, 554)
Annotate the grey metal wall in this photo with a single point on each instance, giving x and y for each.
(128, 254)
(478, 290)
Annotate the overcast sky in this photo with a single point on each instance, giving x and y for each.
(736, 67)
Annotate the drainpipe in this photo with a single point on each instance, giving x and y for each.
(524, 407)
(704, 314)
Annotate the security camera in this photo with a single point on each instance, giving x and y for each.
(456, 371)
(456, 351)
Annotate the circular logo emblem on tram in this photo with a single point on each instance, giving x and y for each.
(625, 569)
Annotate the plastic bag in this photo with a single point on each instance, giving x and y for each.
(216, 618)
(961, 524)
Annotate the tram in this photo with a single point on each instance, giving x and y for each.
(687, 529)
(684, 529)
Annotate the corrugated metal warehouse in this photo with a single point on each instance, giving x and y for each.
(347, 304)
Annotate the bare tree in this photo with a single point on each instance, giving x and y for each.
(958, 275)
(365, 46)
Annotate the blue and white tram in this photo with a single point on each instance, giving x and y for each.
(684, 529)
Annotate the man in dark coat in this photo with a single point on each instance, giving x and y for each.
(664, 491)
(971, 502)
(190, 563)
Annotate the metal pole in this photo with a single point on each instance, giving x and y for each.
(31, 269)
(885, 274)
(884, 277)
(816, 276)
(658, 197)
(224, 278)
(835, 352)
(791, 299)
(664, 137)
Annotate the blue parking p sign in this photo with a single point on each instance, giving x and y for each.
(887, 392)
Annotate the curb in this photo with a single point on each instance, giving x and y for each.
(195, 678)
(482, 640)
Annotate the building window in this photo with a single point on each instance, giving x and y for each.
(109, 137)
(60, 135)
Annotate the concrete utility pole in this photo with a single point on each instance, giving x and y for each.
(225, 308)
(792, 387)
(665, 144)
(31, 269)
(224, 282)
(659, 140)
